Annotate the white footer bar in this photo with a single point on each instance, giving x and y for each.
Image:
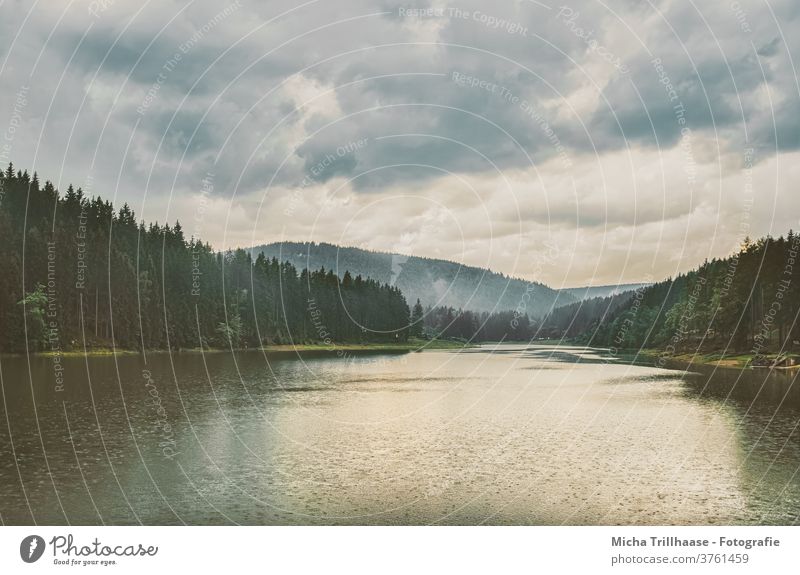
(381, 550)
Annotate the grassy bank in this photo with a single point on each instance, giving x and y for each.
(91, 352)
(411, 345)
(717, 358)
(334, 347)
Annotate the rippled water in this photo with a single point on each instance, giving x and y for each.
(512, 435)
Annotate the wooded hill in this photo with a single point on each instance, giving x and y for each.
(436, 283)
(748, 302)
(76, 271)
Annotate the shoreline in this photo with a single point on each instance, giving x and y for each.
(739, 361)
(333, 347)
(719, 359)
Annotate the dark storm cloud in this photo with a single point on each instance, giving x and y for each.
(299, 85)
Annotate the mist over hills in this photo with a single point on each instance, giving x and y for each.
(434, 282)
(591, 292)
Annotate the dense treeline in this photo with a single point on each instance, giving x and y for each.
(577, 319)
(78, 272)
(748, 302)
(447, 322)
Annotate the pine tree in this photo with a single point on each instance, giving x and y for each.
(417, 317)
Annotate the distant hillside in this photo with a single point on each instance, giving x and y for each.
(434, 282)
(589, 292)
(745, 304)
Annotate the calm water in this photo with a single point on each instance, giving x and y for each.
(516, 435)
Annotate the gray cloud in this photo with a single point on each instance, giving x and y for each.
(262, 94)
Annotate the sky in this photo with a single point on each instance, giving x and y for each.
(586, 143)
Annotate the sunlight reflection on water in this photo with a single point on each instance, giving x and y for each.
(513, 435)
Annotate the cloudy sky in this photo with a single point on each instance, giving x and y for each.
(582, 143)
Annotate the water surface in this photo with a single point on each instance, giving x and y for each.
(512, 434)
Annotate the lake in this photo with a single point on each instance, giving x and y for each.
(510, 434)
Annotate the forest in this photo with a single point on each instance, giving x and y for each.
(748, 302)
(450, 323)
(78, 273)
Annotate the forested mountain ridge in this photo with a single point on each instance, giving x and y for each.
(591, 292)
(434, 282)
(77, 272)
(584, 317)
(748, 302)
